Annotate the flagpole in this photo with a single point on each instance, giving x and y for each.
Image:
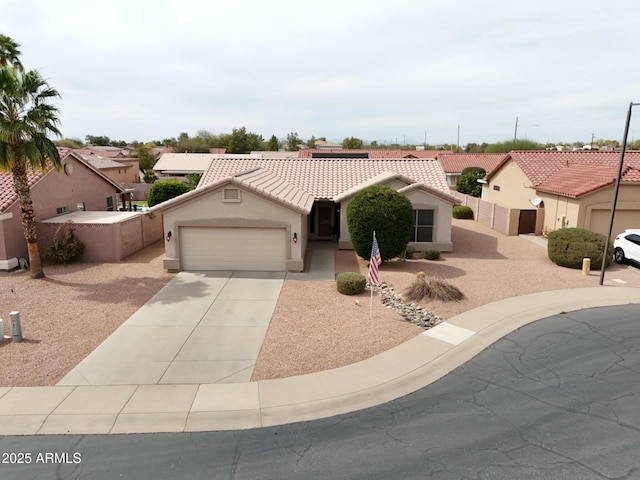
(375, 259)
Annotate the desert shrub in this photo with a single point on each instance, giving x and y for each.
(463, 212)
(350, 283)
(432, 288)
(568, 246)
(409, 251)
(385, 211)
(166, 190)
(65, 247)
(431, 254)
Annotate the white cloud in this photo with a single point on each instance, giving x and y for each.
(378, 70)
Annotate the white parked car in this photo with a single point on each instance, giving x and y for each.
(626, 246)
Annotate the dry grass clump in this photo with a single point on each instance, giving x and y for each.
(432, 288)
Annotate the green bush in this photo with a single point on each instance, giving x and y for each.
(351, 283)
(468, 181)
(568, 246)
(166, 190)
(463, 212)
(431, 254)
(65, 247)
(385, 211)
(409, 251)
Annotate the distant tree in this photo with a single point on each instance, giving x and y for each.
(193, 179)
(99, 141)
(311, 143)
(293, 140)
(185, 144)
(69, 143)
(146, 158)
(510, 145)
(273, 145)
(163, 191)
(374, 144)
(242, 141)
(352, 143)
(149, 176)
(383, 210)
(468, 181)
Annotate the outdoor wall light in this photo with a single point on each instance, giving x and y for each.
(168, 236)
(295, 237)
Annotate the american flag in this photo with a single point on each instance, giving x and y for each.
(374, 262)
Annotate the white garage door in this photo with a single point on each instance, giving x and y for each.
(223, 248)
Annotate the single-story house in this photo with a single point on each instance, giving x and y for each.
(454, 163)
(179, 165)
(568, 189)
(76, 186)
(255, 213)
(378, 153)
(121, 171)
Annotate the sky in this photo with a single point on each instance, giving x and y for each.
(450, 71)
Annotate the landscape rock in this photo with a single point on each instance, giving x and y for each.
(411, 312)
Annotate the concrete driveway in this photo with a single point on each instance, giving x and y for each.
(202, 327)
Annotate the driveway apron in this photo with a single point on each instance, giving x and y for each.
(202, 327)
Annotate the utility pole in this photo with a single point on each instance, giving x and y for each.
(593, 135)
(458, 149)
(515, 134)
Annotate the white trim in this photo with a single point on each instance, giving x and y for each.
(9, 264)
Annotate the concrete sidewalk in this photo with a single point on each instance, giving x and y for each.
(201, 407)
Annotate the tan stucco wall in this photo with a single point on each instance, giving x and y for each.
(577, 212)
(515, 191)
(252, 210)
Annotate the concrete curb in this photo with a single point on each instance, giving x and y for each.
(208, 407)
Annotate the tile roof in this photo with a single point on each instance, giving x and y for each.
(271, 185)
(257, 179)
(328, 178)
(7, 193)
(100, 162)
(183, 162)
(457, 162)
(575, 173)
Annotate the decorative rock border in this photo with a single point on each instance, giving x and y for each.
(411, 312)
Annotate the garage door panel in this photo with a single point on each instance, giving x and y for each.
(601, 219)
(223, 248)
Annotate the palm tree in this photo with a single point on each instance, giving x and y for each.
(9, 52)
(26, 119)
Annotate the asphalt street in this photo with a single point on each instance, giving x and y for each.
(557, 399)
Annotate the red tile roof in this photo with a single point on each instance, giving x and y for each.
(7, 193)
(575, 173)
(457, 162)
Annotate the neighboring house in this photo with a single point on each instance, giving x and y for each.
(106, 151)
(122, 171)
(567, 189)
(255, 213)
(367, 153)
(324, 145)
(179, 165)
(454, 163)
(77, 186)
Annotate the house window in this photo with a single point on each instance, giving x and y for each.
(496, 188)
(80, 207)
(110, 204)
(231, 195)
(61, 210)
(422, 226)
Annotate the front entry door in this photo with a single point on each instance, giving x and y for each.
(325, 214)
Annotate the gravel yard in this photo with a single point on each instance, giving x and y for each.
(68, 314)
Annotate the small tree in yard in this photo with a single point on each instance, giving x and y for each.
(385, 211)
(163, 191)
(468, 181)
